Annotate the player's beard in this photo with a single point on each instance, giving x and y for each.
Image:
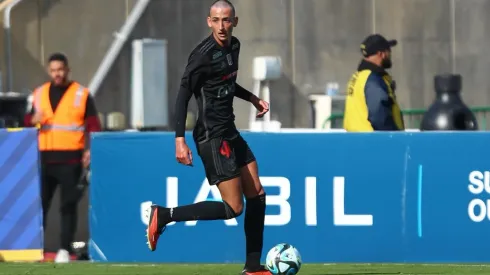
(386, 63)
(59, 81)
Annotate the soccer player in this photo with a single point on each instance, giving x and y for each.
(229, 163)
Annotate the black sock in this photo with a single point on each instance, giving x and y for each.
(201, 211)
(254, 230)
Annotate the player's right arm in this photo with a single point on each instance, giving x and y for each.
(192, 80)
(28, 118)
(34, 117)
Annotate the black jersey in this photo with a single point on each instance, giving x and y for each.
(210, 76)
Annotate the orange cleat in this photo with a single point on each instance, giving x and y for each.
(153, 231)
(261, 271)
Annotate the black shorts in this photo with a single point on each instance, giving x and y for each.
(223, 157)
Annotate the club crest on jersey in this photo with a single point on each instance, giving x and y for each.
(229, 59)
(217, 54)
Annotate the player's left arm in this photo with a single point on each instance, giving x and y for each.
(261, 105)
(244, 94)
(92, 124)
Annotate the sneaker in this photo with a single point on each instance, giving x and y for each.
(63, 256)
(153, 231)
(261, 271)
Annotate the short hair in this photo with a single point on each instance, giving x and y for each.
(222, 3)
(58, 57)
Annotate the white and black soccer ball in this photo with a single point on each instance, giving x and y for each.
(283, 259)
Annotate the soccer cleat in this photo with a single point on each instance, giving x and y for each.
(261, 271)
(153, 231)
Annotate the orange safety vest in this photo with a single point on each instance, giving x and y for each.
(63, 130)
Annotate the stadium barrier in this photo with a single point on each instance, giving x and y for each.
(21, 233)
(338, 197)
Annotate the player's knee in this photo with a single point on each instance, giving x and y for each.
(237, 209)
(253, 193)
(260, 190)
(233, 210)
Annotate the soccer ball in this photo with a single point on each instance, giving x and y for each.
(283, 259)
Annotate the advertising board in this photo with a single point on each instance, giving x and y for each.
(338, 197)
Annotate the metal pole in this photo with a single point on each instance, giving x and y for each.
(8, 60)
(292, 37)
(267, 98)
(8, 43)
(117, 45)
(253, 112)
(452, 10)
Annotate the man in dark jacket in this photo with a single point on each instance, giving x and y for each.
(371, 103)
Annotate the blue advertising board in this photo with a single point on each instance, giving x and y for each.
(21, 220)
(337, 197)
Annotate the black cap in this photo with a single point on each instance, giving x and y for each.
(376, 43)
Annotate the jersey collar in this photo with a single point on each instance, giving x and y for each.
(366, 65)
(217, 44)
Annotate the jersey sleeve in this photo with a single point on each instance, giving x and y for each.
(90, 109)
(192, 80)
(243, 93)
(92, 121)
(28, 116)
(379, 105)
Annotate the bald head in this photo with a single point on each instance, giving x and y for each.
(222, 20)
(222, 4)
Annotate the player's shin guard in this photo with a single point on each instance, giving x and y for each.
(254, 231)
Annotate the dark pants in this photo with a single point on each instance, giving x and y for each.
(67, 176)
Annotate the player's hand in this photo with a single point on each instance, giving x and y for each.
(261, 106)
(37, 117)
(182, 152)
(86, 159)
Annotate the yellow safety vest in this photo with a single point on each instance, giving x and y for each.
(356, 109)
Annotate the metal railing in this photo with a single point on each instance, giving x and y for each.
(413, 118)
(120, 39)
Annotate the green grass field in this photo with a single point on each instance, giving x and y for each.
(309, 269)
